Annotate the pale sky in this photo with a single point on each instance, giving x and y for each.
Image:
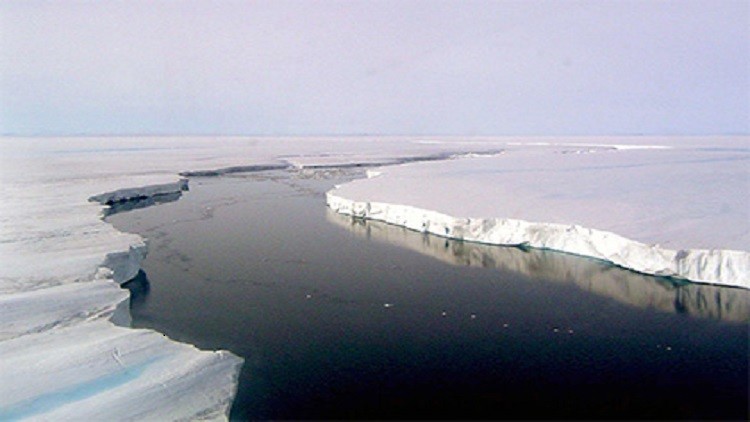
(375, 67)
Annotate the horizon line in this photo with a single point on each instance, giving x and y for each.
(360, 135)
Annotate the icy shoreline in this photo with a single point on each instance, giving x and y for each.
(130, 194)
(64, 336)
(723, 267)
(102, 367)
(671, 209)
(626, 287)
(64, 339)
(124, 266)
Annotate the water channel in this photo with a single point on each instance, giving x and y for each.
(341, 318)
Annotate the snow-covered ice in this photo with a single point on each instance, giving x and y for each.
(678, 210)
(66, 351)
(96, 371)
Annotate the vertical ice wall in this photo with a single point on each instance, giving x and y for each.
(65, 353)
(64, 349)
(679, 212)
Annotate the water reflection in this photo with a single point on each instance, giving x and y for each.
(663, 294)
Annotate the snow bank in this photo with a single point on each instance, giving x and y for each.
(616, 204)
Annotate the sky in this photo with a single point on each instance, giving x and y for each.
(378, 67)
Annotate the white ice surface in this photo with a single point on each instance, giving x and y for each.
(63, 351)
(678, 211)
(94, 370)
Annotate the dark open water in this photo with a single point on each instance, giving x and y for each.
(338, 318)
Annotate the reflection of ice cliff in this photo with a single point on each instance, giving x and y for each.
(678, 212)
(65, 353)
(62, 342)
(730, 304)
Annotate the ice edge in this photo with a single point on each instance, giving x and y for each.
(129, 194)
(715, 266)
(121, 267)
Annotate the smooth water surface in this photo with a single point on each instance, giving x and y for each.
(340, 318)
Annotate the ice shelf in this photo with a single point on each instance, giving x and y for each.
(627, 287)
(679, 211)
(66, 351)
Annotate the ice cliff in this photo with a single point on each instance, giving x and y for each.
(640, 209)
(66, 351)
(121, 195)
(597, 277)
(725, 267)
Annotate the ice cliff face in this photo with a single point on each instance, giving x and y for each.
(70, 356)
(626, 287)
(584, 201)
(65, 349)
(122, 195)
(725, 267)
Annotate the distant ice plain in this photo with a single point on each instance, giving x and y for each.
(59, 258)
